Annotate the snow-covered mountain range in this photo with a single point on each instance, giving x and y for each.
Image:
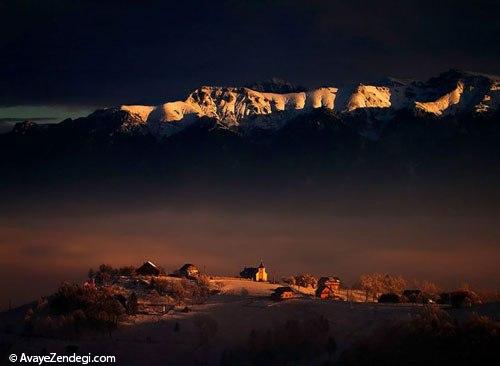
(246, 109)
(391, 130)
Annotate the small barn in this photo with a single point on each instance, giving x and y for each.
(390, 297)
(188, 270)
(148, 269)
(328, 288)
(255, 273)
(413, 296)
(282, 293)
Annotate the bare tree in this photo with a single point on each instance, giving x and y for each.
(395, 284)
(376, 283)
(429, 287)
(302, 280)
(372, 284)
(290, 280)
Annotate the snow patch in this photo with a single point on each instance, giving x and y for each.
(367, 96)
(442, 104)
(141, 111)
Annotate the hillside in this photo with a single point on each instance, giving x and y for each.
(186, 332)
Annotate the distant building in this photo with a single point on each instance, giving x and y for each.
(257, 274)
(328, 288)
(413, 295)
(390, 297)
(188, 270)
(283, 293)
(148, 269)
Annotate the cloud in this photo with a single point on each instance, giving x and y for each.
(22, 119)
(105, 53)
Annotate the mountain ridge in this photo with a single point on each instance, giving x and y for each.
(408, 129)
(368, 134)
(245, 109)
(447, 94)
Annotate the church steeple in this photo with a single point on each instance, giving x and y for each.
(261, 274)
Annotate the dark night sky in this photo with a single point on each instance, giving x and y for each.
(99, 53)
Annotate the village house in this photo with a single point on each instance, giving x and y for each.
(282, 293)
(257, 274)
(413, 295)
(188, 270)
(148, 269)
(328, 288)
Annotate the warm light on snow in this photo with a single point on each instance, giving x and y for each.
(233, 106)
(440, 105)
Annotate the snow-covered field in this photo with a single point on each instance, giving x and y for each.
(224, 321)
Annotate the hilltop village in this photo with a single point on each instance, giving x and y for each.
(156, 291)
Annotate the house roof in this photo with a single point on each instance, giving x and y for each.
(188, 266)
(328, 280)
(250, 270)
(280, 290)
(150, 263)
(148, 266)
(322, 288)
